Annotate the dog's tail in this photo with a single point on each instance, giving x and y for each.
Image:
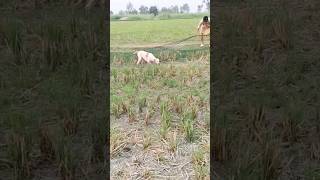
(135, 52)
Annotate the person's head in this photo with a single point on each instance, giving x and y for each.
(205, 19)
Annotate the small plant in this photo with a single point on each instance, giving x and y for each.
(19, 148)
(115, 75)
(311, 173)
(85, 83)
(66, 158)
(150, 112)
(172, 71)
(126, 78)
(270, 162)
(188, 121)
(146, 174)
(292, 123)
(132, 100)
(53, 47)
(124, 107)
(98, 138)
(158, 99)
(199, 164)
(201, 172)
(91, 42)
(170, 83)
(176, 105)
(202, 102)
(14, 42)
(291, 129)
(71, 119)
(194, 112)
(116, 110)
(173, 143)
(198, 157)
(146, 140)
(46, 144)
(163, 107)
(188, 128)
(117, 141)
(164, 129)
(131, 115)
(207, 121)
(74, 27)
(165, 119)
(190, 99)
(142, 103)
(282, 30)
(161, 158)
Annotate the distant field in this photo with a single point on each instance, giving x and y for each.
(160, 16)
(153, 31)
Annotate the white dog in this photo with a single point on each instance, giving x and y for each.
(147, 57)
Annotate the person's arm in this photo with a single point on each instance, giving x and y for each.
(199, 25)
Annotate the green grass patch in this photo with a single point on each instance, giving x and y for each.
(144, 32)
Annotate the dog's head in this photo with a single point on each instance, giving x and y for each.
(156, 60)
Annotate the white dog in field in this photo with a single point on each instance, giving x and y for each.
(147, 57)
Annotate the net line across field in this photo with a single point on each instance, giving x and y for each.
(178, 50)
(168, 45)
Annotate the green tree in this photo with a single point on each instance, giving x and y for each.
(207, 3)
(143, 9)
(153, 10)
(129, 8)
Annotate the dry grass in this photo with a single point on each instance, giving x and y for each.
(52, 115)
(265, 107)
(160, 145)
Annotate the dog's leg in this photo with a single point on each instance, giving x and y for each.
(139, 60)
(148, 60)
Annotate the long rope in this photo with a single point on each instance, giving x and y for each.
(178, 42)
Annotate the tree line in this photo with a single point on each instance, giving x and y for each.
(155, 11)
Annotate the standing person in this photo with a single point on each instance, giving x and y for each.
(204, 28)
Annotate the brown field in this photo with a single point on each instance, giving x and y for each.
(266, 90)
